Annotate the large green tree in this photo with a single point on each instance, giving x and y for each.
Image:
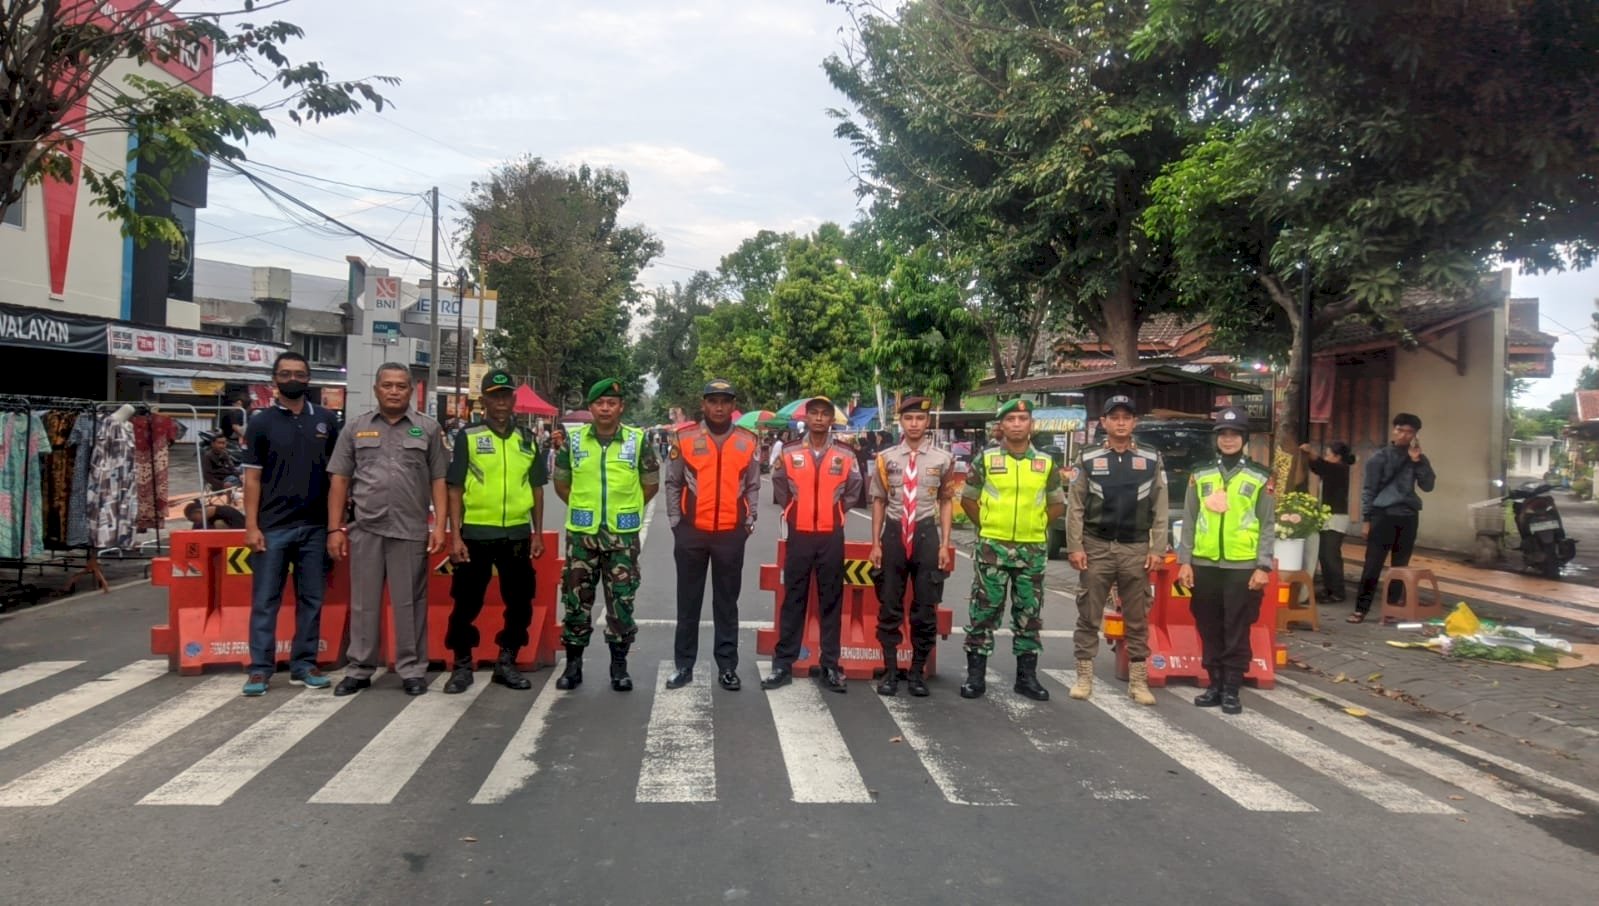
(57, 59)
(1384, 145)
(928, 338)
(1023, 137)
(669, 346)
(568, 297)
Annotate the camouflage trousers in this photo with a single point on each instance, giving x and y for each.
(1001, 569)
(587, 569)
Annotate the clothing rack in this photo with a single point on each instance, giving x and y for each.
(29, 404)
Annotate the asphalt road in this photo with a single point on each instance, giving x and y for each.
(122, 783)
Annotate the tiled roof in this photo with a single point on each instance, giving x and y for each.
(1516, 336)
(1418, 311)
(1083, 380)
(1587, 406)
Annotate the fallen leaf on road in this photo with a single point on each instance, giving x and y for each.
(1341, 678)
(1458, 798)
(1355, 712)
(897, 739)
(468, 839)
(1374, 677)
(1462, 820)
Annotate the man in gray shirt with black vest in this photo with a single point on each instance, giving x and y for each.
(1390, 506)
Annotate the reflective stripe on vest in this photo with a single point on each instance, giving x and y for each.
(816, 507)
(606, 489)
(498, 491)
(1234, 535)
(1013, 505)
(713, 491)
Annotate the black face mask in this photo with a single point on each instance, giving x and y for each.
(292, 390)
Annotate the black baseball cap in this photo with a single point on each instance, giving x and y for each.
(1232, 418)
(496, 381)
(1119, 401)
(719, 387)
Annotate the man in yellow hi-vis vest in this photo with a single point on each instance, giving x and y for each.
(606, 474)
(496, 483)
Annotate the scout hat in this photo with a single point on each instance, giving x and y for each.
(719, 387)
(1015, 405)
(915, 404)
(604, 387)
(1119, 401)
(1232, 418)
(496, 381)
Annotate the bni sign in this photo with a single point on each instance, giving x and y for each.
(386, 293)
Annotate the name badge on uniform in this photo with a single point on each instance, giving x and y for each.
(360, 434)
(996, 464)
(1140, 464)
(485, 443)
(1101, 464)
(933, 471)
(893, 468)
(701, 448)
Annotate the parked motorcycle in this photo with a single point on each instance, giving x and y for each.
(1544, 545)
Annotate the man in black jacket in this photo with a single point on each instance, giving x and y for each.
(1389, 505)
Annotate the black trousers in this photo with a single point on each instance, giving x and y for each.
(821, 553)
(1224, 608)
(919, 571)
(1330, 557)
(514, 559)
(722, 553)
(1396, 534)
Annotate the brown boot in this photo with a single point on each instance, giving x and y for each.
(1138, 683)
(1084, 687)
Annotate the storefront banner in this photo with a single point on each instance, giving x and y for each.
(47, 330)
(138, 343)
(190, 386)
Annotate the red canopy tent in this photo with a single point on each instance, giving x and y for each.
(528, 402)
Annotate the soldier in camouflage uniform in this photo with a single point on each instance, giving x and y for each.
(1012, 494)
(606, 474)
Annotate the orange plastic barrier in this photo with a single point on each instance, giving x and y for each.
(1174, 646)
(860, 654)
(543, 634)
(207, 577)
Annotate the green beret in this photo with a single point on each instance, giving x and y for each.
(1015, 405)
(604, 387)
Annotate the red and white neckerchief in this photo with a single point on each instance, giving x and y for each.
(907, 516)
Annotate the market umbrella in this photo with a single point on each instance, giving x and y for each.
(528, 402)
(794, 412)
(762, 418)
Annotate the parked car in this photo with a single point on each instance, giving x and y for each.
(1182, 443)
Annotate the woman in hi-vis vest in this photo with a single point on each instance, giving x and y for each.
(1225, 555)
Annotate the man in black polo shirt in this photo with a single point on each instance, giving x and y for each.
(286, 451)
(1115, 534)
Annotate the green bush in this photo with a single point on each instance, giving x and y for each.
(1583, 488)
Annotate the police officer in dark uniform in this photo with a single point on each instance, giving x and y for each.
(1115, 534)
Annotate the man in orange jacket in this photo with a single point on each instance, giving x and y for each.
(816, 480)
(712, 482)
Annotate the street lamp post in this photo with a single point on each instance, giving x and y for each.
(460, 333)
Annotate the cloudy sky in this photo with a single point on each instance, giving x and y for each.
(716, 109)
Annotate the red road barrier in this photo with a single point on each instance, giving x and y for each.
(208, 578)
(860, 655)
(1174, 646)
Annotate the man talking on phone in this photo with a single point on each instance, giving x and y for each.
(1389, 505)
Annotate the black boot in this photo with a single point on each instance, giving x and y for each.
(1230, 703)
(620, 681)
(1211, 697)
(506, 674)
(890, 682)
(460, 677)
(1027, 678)
(976, 675)
(916, 680)
(573, 677)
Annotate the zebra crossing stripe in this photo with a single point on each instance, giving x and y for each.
(18, 677)
(1035, 720)
(60, 778)
(1220, 770)
(939, 766)
(14, 728)
(1442, 767)
(819, 765)
(215, 778)
(680, 744)
(1340, 768)
(1533, 774)
(518, 764)
(378, 772)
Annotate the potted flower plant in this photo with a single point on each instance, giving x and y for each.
(1300, 517)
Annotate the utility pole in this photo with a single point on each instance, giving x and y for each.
(460, 333)
(433, 311)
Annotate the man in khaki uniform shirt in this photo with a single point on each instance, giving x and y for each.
(392, 463)
(1116, 534)
(913, 492)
